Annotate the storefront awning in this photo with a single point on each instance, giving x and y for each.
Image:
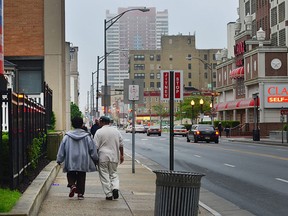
(237, 104)
(247, 103)
(237, 73)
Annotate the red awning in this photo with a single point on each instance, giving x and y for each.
(221, 106)
(237, 73)
(232, 104)
(247, 103)
(237, 104)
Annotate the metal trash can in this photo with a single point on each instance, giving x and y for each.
(256, 135)
(177, 193)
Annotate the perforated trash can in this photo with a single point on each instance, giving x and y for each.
(177, 193)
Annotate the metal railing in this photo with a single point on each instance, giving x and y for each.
(26, 121)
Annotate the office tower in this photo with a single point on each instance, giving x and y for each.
(134, 30)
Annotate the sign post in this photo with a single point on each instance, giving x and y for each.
(171, 89)
(133, 92)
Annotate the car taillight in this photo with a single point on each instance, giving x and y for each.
(197, 132)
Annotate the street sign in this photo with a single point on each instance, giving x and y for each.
(133, 92)
(177, 84)
(284, 111)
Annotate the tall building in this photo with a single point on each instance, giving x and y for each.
(136, 30)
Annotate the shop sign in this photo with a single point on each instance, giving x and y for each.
(276, 95)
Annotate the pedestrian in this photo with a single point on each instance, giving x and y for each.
(95, 127)
(78, 152)
(227, 131)
(220, 128)
(109, 142)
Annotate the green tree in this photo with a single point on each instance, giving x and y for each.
(161, 111)
(75, 111)
(185, 107)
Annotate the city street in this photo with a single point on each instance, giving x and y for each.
(252, 176)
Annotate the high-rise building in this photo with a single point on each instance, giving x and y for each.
(135, 30)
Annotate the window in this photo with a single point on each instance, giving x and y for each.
(151, 57)
(139, 67)
(151, 75)
(189, 75)
(282, 37)
(139, 76)
(247, 8)
(189, 66)
(274, 39)
(281, 11)
(205, 57)
(205, 75)
(189, 84)
(189, 56)
(151, 84)
(139, 57)
(253, 6)
(30, 81)
(170, 58)
(158, 75)
(189, 41)
(158, 84)
(158, 57)
(273, 16)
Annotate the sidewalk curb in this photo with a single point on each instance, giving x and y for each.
(31, 200)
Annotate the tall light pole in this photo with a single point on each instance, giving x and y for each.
(192, 105)
(210, 67)
(107, 25)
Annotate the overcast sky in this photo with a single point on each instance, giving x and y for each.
(207, 19)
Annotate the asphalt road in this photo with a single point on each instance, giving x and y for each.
(253, 177)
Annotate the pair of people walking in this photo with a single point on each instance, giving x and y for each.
(81, 154)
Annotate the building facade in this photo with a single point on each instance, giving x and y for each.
(177, 52)
(252, 84)
(35, 43)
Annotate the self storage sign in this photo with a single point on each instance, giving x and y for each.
(177, 84)
(276, 95)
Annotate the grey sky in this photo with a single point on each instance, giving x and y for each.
(85, 27)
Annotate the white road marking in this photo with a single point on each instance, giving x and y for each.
(144, 139)
(282, 180)
(229, 165)
(197, 156)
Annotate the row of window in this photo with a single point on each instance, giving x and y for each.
(281, 14)
(141, 57)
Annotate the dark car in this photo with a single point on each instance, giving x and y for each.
(154, 130)
(203, 132)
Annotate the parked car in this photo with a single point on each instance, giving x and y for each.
(128, 129)
(180, 130)
(154, 130)
(140, 129)
(203, 132)
(166, 127)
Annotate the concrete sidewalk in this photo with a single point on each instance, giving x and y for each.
(137, 195)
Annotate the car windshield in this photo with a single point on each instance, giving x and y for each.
(206, 127)
(179, 127)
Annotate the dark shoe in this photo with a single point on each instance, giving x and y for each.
(72, 191)
(109, 198)
(80, 196)
(115, 194)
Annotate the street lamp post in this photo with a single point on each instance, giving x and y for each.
(201, 109)
(107, 25)
(192, 104)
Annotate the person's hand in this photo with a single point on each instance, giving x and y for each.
(121, 159)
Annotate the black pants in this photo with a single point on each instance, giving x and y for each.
(78, 179)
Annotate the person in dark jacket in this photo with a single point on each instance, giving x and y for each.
(78, 152)
(220, 128)
(95, 127)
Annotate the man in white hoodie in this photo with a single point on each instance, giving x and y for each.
(109, 142)
(78, 152)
